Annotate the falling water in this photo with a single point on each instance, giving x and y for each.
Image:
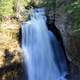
(43, 56)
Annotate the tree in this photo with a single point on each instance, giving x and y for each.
(11, 7)
(6, 7)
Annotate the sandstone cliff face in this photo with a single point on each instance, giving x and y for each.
(9, 46)
(10, 54)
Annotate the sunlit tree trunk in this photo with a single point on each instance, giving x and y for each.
(17, 8)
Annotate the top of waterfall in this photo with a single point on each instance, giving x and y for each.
(41, 11)
(37, 13)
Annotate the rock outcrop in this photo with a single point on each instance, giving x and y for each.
(71, 39)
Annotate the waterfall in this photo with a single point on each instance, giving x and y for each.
(43, 56)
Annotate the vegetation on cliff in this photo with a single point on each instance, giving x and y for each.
(73, 9)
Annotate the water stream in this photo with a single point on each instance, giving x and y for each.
(44, 58)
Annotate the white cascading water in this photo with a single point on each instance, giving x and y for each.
(43, 57)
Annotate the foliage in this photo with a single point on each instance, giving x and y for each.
(74, 10)
(49, 3)
(42, 3)
(6, 7)
(11, 7)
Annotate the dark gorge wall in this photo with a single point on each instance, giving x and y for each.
(71, 40)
